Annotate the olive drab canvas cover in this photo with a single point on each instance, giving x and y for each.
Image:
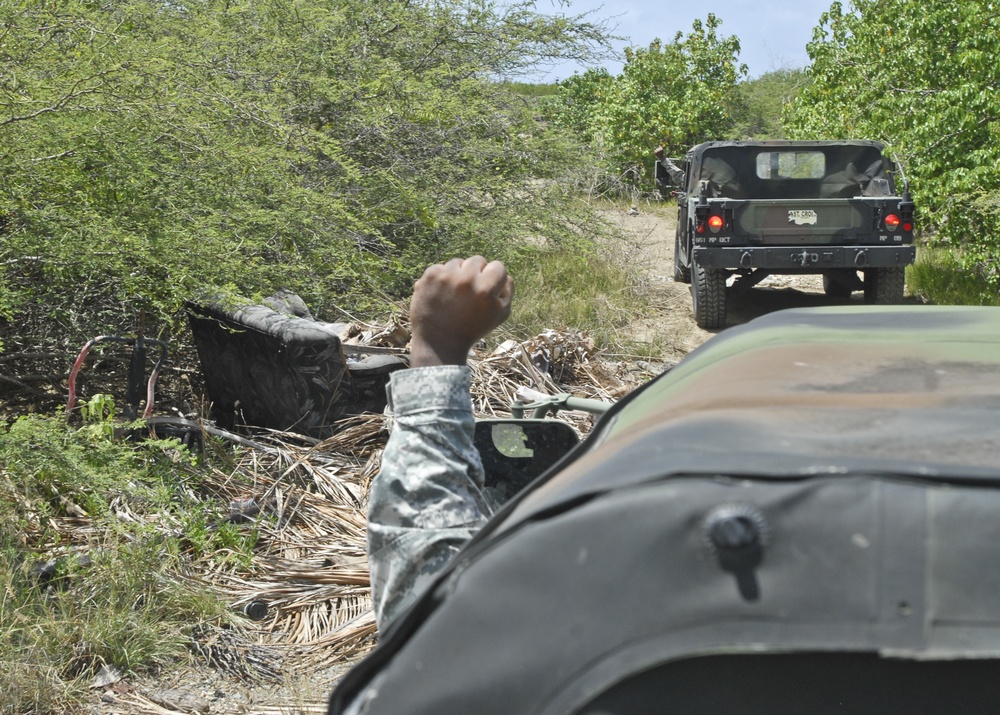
(851, 168)
(802, 516)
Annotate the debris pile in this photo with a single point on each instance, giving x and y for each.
(305, 597)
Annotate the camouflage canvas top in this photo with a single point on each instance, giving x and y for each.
(896, 389)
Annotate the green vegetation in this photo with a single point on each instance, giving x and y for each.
(941, 276)
(923, 79)
(762, 101)
(109, 593)
(675, 94)
(152, 150)
(526, 89)
(566, 290)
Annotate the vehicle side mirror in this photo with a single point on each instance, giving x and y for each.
(515, 452)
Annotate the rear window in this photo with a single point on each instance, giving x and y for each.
(791, 165)
(798, 171)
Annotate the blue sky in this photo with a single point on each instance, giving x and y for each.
(773, 33)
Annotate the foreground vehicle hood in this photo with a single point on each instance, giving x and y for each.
(862, 448)
(898, 389)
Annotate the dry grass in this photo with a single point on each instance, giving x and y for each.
(306, 502)
(311, 567)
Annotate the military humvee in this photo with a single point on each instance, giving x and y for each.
(752, 209)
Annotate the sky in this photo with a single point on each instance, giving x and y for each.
(773, 33)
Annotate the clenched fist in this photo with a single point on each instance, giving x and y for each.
(455, 304)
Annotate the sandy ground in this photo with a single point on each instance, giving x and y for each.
(651, 231)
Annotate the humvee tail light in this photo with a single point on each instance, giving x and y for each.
(892, 222)
(906, 210)
(715, 223)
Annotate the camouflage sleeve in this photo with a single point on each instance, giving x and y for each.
(427, 500)
(675, 172)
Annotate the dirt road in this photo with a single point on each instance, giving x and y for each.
(650, 230)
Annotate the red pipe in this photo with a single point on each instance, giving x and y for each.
(150, 385)
(71, 402)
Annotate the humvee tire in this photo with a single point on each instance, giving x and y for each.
(884, 286)
(708, 289)
(836, 285)
(682, 274)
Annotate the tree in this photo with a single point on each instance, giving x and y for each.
(924, 79)
(758, 112)
(676, 94)
(152, 150)
(578, 101)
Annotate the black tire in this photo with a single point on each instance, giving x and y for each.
(682, 274)
(708, 291)
(836, 285)
(884, 286)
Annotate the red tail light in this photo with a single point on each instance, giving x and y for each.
(715, 223)
(907, 226)
(892, 222)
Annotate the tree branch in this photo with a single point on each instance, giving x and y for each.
(63, 101)
(63, 155)
(12, 261)
(952, 135)
(23, 386)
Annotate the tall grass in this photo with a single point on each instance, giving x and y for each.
(940, 276)
(80, 587)
(563, 289)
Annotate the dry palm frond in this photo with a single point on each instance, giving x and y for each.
(306, 501)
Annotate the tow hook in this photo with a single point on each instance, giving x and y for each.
(805, 258)
(861, 259)
(746, 260)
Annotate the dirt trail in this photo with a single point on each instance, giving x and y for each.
(650, 232)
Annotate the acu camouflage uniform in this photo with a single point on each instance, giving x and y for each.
(428, 499)
(675, 173)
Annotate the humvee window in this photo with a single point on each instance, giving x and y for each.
(791, 165)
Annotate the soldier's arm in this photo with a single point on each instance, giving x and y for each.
(427, 500)
(675, 173)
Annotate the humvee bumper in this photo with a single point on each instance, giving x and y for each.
(807, 259)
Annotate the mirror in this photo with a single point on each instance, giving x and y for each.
(515, 452)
